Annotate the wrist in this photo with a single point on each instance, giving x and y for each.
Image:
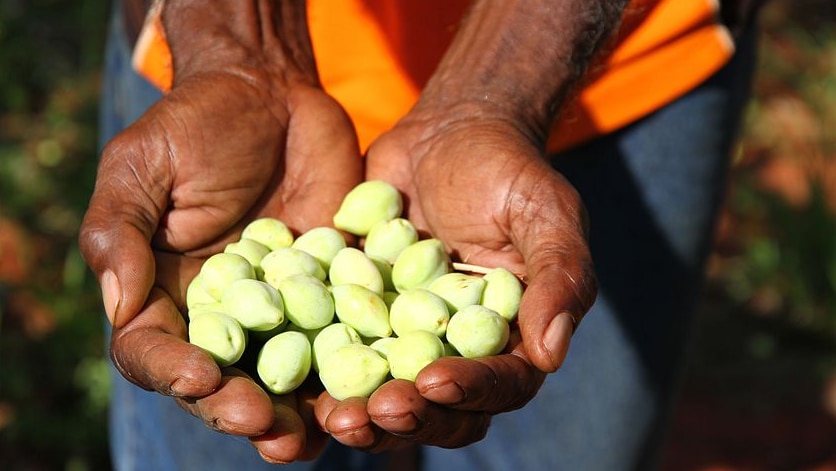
(517, 61)
(252, 38)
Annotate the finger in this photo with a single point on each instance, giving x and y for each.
(323, 159)
(349, 423)
(399, 409)
(152, 352)
(237, 407)
(561, 283)
(286, 440)
(114, 239)
(492, 384)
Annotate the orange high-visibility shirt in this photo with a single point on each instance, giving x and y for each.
(374, 57)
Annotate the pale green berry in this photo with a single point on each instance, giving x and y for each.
(284, 362)
(196, 295)
(322, 243)
(287, 261)
(367, 204)
(362, 309)
(254, 304)
(354, 370)
(411, 352)
(382, 345)
(476, 331)
(218, 334)
(385, 269)
(419, 309)
(387, 239)
(221, 269)
(330, 338)
(270, 232)
(503, 293)
(251, 250)
(352, 266)
(458, 289)
(307, 301)
(199, 309)
(419, 264)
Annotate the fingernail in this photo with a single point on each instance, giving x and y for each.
(557, 336)
(111, 295)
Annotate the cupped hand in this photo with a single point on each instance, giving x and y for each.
(219, 151)
(484, 188)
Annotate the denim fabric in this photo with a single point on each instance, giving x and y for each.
(652, 191)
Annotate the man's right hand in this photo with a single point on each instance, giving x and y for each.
(233, 141)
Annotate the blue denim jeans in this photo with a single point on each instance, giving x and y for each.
(652, 189)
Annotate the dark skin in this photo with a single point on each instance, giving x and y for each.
(248, 132)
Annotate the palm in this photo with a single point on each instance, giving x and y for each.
(208, 158)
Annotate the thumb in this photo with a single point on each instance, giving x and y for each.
(115, 234)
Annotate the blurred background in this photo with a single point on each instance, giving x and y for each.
(759, 392)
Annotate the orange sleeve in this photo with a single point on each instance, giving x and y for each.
(374, 57)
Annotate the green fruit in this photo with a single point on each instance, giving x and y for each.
(199, 309)
(419, 264)
(330, 338)
(387, 239)
(254, 304)
(218, 334)
(419, 309)
(196, 295)
(385, 269)
(503, 293)
(322, 243)
(362, 309)
(219, 270)
(307, 301)
(458, 290)
(411, 352)
(284, 362)
(367, 204)
(382, 345)
(352, 266)
(354, 370)
(251, 250)
(287, 261)
(476, 331)
(270, 232)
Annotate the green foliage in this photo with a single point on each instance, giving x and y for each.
(53, 392)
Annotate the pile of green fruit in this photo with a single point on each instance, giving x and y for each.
(356, 317)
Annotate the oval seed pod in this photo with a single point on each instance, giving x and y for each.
(458, 290)
(330, 338)
(307, 301)
(269, 232)
(221, 269)
(476, 331)
(287, 261)
(419, 264)
(251, 250)
(387, 239)
(503, 293)
(254, 304)
(352, 266)
(354, 370)
(284, 362)
(362, 309)
(410, 353)
(367, 204)
(322, 243)
(219, 335)
(419, 309)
